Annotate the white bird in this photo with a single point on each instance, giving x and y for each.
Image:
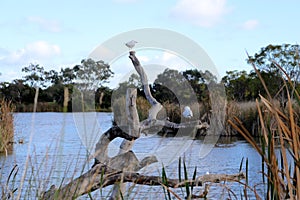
(131, 44)
(187, 112)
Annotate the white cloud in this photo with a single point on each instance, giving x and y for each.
(44, 24)
(206, 13)
(250, 24)
(36, 51)
(43, 49)
(41, 52)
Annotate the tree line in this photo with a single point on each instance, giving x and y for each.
(52, 90)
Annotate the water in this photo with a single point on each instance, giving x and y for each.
(54, 153)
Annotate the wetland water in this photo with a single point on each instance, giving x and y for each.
(56, 154)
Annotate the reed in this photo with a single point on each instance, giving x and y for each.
(6, 126)
(279, 145)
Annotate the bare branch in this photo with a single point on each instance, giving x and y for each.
(102, 176)
(156, 106)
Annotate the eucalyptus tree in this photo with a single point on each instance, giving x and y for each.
(236, 84)
(132, 82)
(91, 75)
(273, 57)
(169, 85)
(285, 55)
(36, 77)
(67, 75)
(199, 81)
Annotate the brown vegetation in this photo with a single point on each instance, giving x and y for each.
(279, 132)
(6, 126)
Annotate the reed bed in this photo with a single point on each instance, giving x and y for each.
(6, 126)
(279, 142)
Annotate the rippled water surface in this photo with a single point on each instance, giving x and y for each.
(54, 153)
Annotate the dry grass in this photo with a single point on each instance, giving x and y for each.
(246, 112)
(279, 145)
(6, 126)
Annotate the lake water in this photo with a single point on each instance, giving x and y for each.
(53, 153)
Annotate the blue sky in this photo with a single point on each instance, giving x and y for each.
(59, 34)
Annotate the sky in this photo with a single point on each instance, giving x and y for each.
(58, 34)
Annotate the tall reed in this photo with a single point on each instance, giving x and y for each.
(6, 126)
(279, 145)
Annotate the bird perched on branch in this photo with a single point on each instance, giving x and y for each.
(131, 44)
(187, 112)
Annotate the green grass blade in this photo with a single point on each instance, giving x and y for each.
(179, 169)
(165, 182)
(194, 179)
(241, 164)
(247, 170)
(186, 178)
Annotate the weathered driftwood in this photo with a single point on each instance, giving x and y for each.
(129, 163)
(124, 161)
(155, 105)
(123, 167)
(101, 176)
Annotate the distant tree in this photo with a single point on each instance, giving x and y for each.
(160, 89)
(52, 76)
(103, 97)
(67, 77)
(91, 75)
(36, 77)
(236, 84)
(241, 86)
(199, 81)
(17, 91)
(132, 82)
(287, 57)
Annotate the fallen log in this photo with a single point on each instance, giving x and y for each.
(101, 176)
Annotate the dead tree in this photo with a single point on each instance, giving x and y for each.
(124, 166)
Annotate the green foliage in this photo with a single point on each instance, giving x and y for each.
(171, 86)
(181, 87)
(36, 75)
(92, 74)
(286, 55)
(241, 86)
(52, 83)
(199, 81)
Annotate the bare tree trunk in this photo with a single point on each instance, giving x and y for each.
(101, 98)
(126, 145)
(35, 102)
(66, 99)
